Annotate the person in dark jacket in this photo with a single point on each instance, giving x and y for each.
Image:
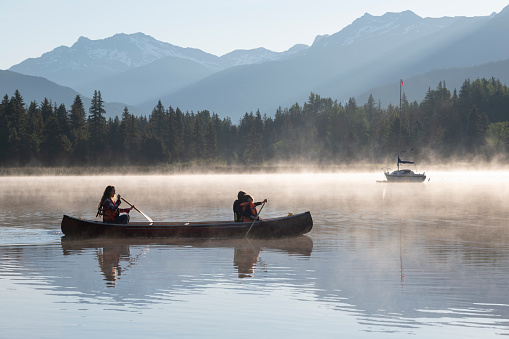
(237, 209)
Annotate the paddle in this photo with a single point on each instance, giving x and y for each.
(257, 216)
(146, 216)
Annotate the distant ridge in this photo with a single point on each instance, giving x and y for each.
(371, 52)
(36, 89)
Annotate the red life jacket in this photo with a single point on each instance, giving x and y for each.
(109, 215)
(248, 209)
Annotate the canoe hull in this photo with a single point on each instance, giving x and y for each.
(294, 225)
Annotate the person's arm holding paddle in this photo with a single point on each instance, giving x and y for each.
(132, 206)
(260, 202)
(249, 209)
(127, 210)
(257, 216)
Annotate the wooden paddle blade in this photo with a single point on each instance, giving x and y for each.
(146, 216)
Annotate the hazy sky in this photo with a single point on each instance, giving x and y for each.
(29, 28)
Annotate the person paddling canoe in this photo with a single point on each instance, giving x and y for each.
(249, 212)
(109, 208)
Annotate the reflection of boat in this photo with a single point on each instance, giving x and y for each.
(115, 258)
(289, 226)
(403, 175)
(299, 245)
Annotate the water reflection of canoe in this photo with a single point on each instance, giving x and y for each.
(289, 226)
(299, 245)
(117, 256)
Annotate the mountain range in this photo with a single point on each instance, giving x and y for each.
(369, 56)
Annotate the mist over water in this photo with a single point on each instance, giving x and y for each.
(383, 260)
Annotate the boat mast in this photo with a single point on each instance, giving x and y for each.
(399, 138)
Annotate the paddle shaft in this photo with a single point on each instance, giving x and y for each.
(146, 216)
(257, 216)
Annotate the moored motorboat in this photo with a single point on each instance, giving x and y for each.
(291, 225)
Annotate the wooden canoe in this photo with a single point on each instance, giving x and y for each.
(289, 226)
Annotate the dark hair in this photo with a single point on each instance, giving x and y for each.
(241, 195)
(106, 195)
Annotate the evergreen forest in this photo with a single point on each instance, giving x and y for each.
(472, 123)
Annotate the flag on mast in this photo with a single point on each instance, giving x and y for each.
(401, 83)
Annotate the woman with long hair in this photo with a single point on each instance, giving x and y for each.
(109, 207)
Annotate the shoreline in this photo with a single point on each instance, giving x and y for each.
(196, 169)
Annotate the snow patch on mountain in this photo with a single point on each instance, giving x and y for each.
(396, 24)
(366, 31)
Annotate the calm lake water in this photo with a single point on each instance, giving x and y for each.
(426, 260)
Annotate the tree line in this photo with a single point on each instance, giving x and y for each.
(468, 123)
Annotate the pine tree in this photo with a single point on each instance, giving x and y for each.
(77, 120)
(153, 150)
(199, 139)
(253, 151)
(35, 128)
(79, 130)
(4, 130)
(179, 141)
(46, 110)
(18, 149)
(97, 125)
(56, 146)
(477, 127)
(370, 109)
(159, 122)
(132, 136)
(114, 147)
(63, 121)
(189, 146)
(211, 141)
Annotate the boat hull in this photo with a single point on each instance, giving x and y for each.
(401, 176)
(293, 225)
